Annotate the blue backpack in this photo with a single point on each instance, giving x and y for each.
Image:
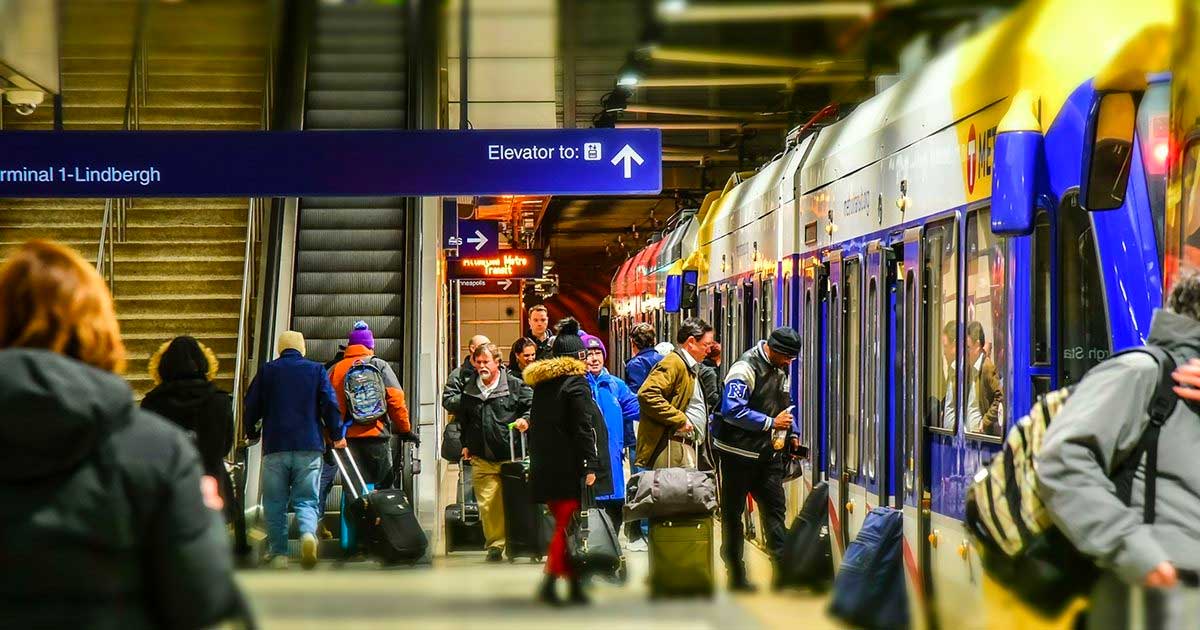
(869, 589)
(366, 393)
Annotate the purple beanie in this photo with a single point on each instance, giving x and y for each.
(361, 335)
(592, 341)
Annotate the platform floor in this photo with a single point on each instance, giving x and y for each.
(463, 591)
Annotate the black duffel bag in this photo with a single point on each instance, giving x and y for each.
(452, 444)
(807, 559)
(592, 545)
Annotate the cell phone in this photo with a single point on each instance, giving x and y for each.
(790, 409)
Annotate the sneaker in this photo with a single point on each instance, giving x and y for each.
(308, 550)
(278, 562)
(637, 545)
(495, 554)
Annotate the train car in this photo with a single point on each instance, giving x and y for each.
(949, 217)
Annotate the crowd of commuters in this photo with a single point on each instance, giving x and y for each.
(134, 496)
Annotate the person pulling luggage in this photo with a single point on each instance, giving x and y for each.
(754, 435)
(489, 403)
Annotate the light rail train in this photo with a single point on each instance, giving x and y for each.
(1008, 203)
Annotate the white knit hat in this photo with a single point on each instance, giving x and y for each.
(291, 340)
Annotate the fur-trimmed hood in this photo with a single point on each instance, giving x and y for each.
(550, 369)
(184, 358)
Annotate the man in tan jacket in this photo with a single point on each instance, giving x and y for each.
(672, 402)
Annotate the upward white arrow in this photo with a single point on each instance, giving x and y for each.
(630, 156)
(480, 240)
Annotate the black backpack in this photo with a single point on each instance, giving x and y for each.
(807, 558)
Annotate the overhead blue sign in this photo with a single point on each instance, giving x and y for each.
(477, 238)
(329, 163)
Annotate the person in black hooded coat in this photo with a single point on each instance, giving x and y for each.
(105, 521)
(568, 444)
(183, 370)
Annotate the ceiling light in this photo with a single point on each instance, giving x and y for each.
(672, 6)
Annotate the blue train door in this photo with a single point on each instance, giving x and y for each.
(911, 455)
(811, 352)
(853, 350)
(833, 311)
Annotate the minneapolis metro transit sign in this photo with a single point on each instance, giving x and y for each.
(329, 163)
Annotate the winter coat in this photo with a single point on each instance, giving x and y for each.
(663, 398)
(1098, 427)
(183, 370)
(565, 429)
(485, 422)
(638, 367)
(395, 421)
(293, 398)
(102, 522)
(455, 382)
(619, 406)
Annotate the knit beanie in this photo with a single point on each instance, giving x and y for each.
(361, 335)
(567, 343)
(291, 340)
(785, 341)
(592, 342)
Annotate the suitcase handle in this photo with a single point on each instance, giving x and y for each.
(512, 446)
(353, 464)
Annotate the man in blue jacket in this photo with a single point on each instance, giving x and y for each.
(294, 399)
(752, 439)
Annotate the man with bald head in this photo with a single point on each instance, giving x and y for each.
(452, 391)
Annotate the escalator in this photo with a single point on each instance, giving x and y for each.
(351, 253)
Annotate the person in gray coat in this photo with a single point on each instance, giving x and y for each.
(1098, 427)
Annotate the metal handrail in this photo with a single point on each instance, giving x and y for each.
(104, 255)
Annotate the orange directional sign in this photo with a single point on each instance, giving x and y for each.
(507, 263)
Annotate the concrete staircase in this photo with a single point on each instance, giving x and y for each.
(178, 268)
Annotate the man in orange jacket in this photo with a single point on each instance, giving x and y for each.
(368, 438)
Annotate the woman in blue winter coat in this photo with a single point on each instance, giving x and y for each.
(619, 405)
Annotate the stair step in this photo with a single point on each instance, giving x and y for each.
(350, 218)
(180, 249)
(208, 126)
(202, 115)
(130, 287)
(184, 217)
(225, 98)
(165, 305)
(74, 233)
(354, 119)
(356, 81)
(209, 83)
(180, 324)
(139, 344)
(139, 380)
(93, 98)
(334, 43)
(138, 267)
(52, 204)
(26, 218)
(350, 240)
(139, 233)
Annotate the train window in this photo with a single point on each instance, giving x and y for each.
(941, 327)
(731, 315)
(1153, 134)
(767, 315)
(871, 380)
(833, 367)
(853, 354)
(984, 373)
(1040, 317)
(1083, 319)
(910, 375)
(1190, 235)
(749, 316)
(808, 371)
(718, 315)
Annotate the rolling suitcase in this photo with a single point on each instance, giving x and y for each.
(528, 526)
(384, 521)
(464, 530)
(681, 557)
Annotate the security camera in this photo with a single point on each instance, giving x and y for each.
(24, 101)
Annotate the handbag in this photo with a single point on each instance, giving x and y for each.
(592, 545)
(670, 492)
(452, 444)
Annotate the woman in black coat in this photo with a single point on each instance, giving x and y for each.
(183, 370)
(565, 427)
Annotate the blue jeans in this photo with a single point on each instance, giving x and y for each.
(290, 477)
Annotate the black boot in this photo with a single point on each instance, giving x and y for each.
(579, 596)
(546, 593)
(738, 582)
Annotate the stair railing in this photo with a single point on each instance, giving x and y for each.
(104, 255)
